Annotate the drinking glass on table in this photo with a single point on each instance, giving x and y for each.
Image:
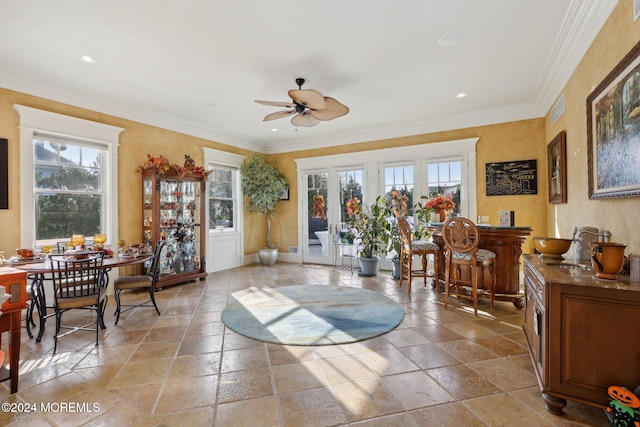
(121, 243)
(99, 239)
(77, 240)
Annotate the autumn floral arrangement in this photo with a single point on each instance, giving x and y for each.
(353, 206)
(163, 166)
(319, 207)
(440, 202)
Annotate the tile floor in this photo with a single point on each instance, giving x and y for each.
(439, 367)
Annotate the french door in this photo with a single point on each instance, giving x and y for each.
(327, 192)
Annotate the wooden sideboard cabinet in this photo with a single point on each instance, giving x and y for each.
(582, 332)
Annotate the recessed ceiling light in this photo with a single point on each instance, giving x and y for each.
(88, 59)
(461, 95)
(274, 130)
(450, 39)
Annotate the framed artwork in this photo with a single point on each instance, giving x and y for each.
(557, 169)
(4, 173)
(512, 178)
(613, 132)
(284, 194)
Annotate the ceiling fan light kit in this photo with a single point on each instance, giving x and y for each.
(308, 108)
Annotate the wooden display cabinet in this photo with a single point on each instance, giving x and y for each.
(581, 332)
(173, 210)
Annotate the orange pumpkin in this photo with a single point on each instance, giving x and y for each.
(624, 396)
(160, 161)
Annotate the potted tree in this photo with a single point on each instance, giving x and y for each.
(262, 184)
(397, 203)
(373, 228)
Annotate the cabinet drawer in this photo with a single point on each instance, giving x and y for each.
(15, 283)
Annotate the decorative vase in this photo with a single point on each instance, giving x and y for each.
(395, 273)
(369, 266)
(607, 259)
(438, 215)
(268, 256)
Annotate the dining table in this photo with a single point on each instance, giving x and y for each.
(39, 271)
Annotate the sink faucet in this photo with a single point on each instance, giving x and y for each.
(603, 236)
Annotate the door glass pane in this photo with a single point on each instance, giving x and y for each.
(318, 226)
(399, 179)
(350, 190)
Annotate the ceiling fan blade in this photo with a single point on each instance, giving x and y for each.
(278, 115)
(277, 104)
(334, 110)
(309, 98)
(304, 119)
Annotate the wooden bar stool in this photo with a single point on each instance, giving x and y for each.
(461, 240)
(412, 247)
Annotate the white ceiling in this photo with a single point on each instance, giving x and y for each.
(196, 66)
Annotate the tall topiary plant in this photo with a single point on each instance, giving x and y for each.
(262, 184)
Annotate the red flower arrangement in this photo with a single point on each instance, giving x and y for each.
(441, 202)
(319, 207)
(163, 166)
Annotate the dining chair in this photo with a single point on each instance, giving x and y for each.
(461, 251)
(77, 284)
(421, 248)
(145, 281)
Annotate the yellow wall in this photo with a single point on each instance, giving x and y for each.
(620, 216)
(135, 142)
(521, 140)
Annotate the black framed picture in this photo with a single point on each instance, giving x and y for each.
(512, 178)
(284, 194)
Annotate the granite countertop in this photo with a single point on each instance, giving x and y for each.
(567, 272)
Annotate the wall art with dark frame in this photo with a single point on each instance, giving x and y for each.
(512, 178)
(4, 173)
(284, 194)
(557, 168)
(613, 132)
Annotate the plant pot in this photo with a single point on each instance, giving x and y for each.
(268, 256)
(397, 268)
(369, 266)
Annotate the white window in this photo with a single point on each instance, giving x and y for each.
(445, 177)
(399, 178)
(223, 194)
(68, 190)
(69, 180)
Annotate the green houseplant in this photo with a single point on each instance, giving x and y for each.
(373, 228)
(262, 184)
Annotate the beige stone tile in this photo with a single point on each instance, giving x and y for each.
(447, 415)
(242, 385)
(470, 329)
(416, 390)
(402, 419)
(199, 345)
(462, 382)
(284, 354)
(165, 333)
(261, 412)
(298, 376)
(196, 365)
(248, 358)
(203, 416)
(501, 346)
(311, 408)
(388, 362)
(503, 409)
(366, 399)
(155, 350)
(343, 369)
(429, 356)
(504, 374)
(466, 350)
(180, 395)
(437, 333)
(405, 338)
(141, 372)
(329, 351)
(140, 398)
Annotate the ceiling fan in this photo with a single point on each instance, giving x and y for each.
(308, 108)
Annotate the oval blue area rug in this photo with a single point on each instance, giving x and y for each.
(312, 314)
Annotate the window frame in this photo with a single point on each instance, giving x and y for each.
(34, 121)
(236, 195)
